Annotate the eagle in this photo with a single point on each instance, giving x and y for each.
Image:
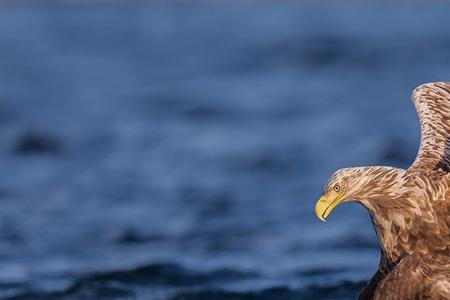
(409, 209)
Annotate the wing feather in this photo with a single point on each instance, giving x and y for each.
(432, 102)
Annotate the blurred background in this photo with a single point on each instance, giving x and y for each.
(175, 149)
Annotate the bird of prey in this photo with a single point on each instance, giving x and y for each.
(410, 209)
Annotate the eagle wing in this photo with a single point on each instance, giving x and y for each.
(406, 281)
(432, 102)
(416, 277)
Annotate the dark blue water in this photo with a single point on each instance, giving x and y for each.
(175, 151)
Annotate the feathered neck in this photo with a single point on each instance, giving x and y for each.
(384, 195)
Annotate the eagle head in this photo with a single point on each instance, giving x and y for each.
(362, 184)
(335, 192)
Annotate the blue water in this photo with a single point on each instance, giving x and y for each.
(175, 150)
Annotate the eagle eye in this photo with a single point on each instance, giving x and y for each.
(337, 188)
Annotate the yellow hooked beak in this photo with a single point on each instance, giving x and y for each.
(325, 206)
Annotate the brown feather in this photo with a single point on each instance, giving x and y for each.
(410, 209)
(433, 107)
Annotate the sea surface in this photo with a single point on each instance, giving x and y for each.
(175, 150)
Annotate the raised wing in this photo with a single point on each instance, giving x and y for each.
(432, 102)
